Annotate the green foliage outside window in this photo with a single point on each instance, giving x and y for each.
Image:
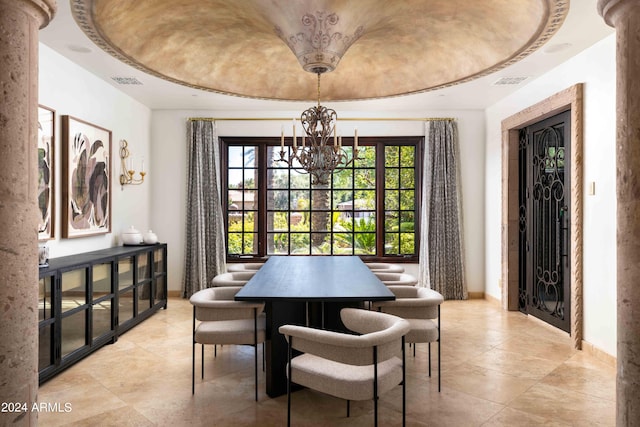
(339, 218)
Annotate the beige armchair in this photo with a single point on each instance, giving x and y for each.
(419, 306)
(236, 278)
(397, 279)
(244, 266)
(384, 267)
(225, 321)
(351, 367)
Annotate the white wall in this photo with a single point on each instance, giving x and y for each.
(71, 90)
(595, 67)
(169, 130)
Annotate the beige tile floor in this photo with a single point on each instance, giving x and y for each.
(498, 369)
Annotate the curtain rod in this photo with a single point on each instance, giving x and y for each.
(426, 119)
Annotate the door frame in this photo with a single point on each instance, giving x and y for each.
(570, 98)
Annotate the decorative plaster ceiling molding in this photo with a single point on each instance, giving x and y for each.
(384, 49)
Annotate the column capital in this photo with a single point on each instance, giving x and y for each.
(612, 10)
(42, 10)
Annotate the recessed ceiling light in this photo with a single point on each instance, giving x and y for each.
(79, 49)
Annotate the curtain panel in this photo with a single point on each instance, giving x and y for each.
(205, 237)
(441, 244)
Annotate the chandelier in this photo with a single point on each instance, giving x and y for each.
(319, 47)
(323, 154)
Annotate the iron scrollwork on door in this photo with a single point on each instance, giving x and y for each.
(544, 221)
(549, 216)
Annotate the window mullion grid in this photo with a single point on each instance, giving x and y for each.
(380, 199)
(261, 220)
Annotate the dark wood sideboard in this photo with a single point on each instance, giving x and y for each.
(87, 300)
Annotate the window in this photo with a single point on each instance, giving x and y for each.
(369, 208)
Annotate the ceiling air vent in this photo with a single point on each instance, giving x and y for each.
(126, 80)
(509, 81)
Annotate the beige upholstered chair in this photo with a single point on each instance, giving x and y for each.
(397, 279)
(351, 367)
(384, 267)
(418, 306)
(237, 278)
(246, 266)
(225, 321)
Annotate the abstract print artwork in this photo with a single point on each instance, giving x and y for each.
(86, 174)
(46, 190)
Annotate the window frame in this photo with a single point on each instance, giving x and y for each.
(261, 144)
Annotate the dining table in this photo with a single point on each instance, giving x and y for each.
(310, 291)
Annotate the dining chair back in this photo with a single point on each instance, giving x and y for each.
(397, 279)
(219, 319)
(349, 366)
(420, 307)
(244, 266)
(236, 278)
(384, 267)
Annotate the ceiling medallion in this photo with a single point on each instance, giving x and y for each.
(320, 45)
(319, 49)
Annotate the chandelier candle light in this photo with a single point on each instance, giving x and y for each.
(324, 153)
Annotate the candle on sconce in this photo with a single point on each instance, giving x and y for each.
(294, 134)
(335, 134)
(355, 138)
(303, 143)
(282, 138)
(142, 165)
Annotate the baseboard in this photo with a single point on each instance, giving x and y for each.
(174, 294)
(599, 354)
(475, 295)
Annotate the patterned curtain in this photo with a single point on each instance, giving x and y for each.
(204, 247)
(441, 244)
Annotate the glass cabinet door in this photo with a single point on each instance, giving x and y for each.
(160, 273)
(125, 273)
(102, 300)
(144, 282)
(74, 309)
(46, 355)
(125, 289)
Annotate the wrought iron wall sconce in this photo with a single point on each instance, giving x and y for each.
(126, 168)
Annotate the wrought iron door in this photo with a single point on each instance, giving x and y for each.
(544, 196)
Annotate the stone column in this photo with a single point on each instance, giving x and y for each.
(20, 21)
(624, 15)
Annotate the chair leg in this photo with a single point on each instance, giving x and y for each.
(404, 385)
(429, 357)
(348, 408)
(193, 367)
(289, 382)
(202, 361)
(375, 386)
(255, 349)
(193, 353)
(439, 343)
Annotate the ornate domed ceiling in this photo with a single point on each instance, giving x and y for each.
(379, 48)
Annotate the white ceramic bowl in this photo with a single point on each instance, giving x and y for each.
(131, 237)
(150, 237)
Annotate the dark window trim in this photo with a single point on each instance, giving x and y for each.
(379, 142)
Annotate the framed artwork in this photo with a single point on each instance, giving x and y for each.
(46, 173)
(86, 178)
